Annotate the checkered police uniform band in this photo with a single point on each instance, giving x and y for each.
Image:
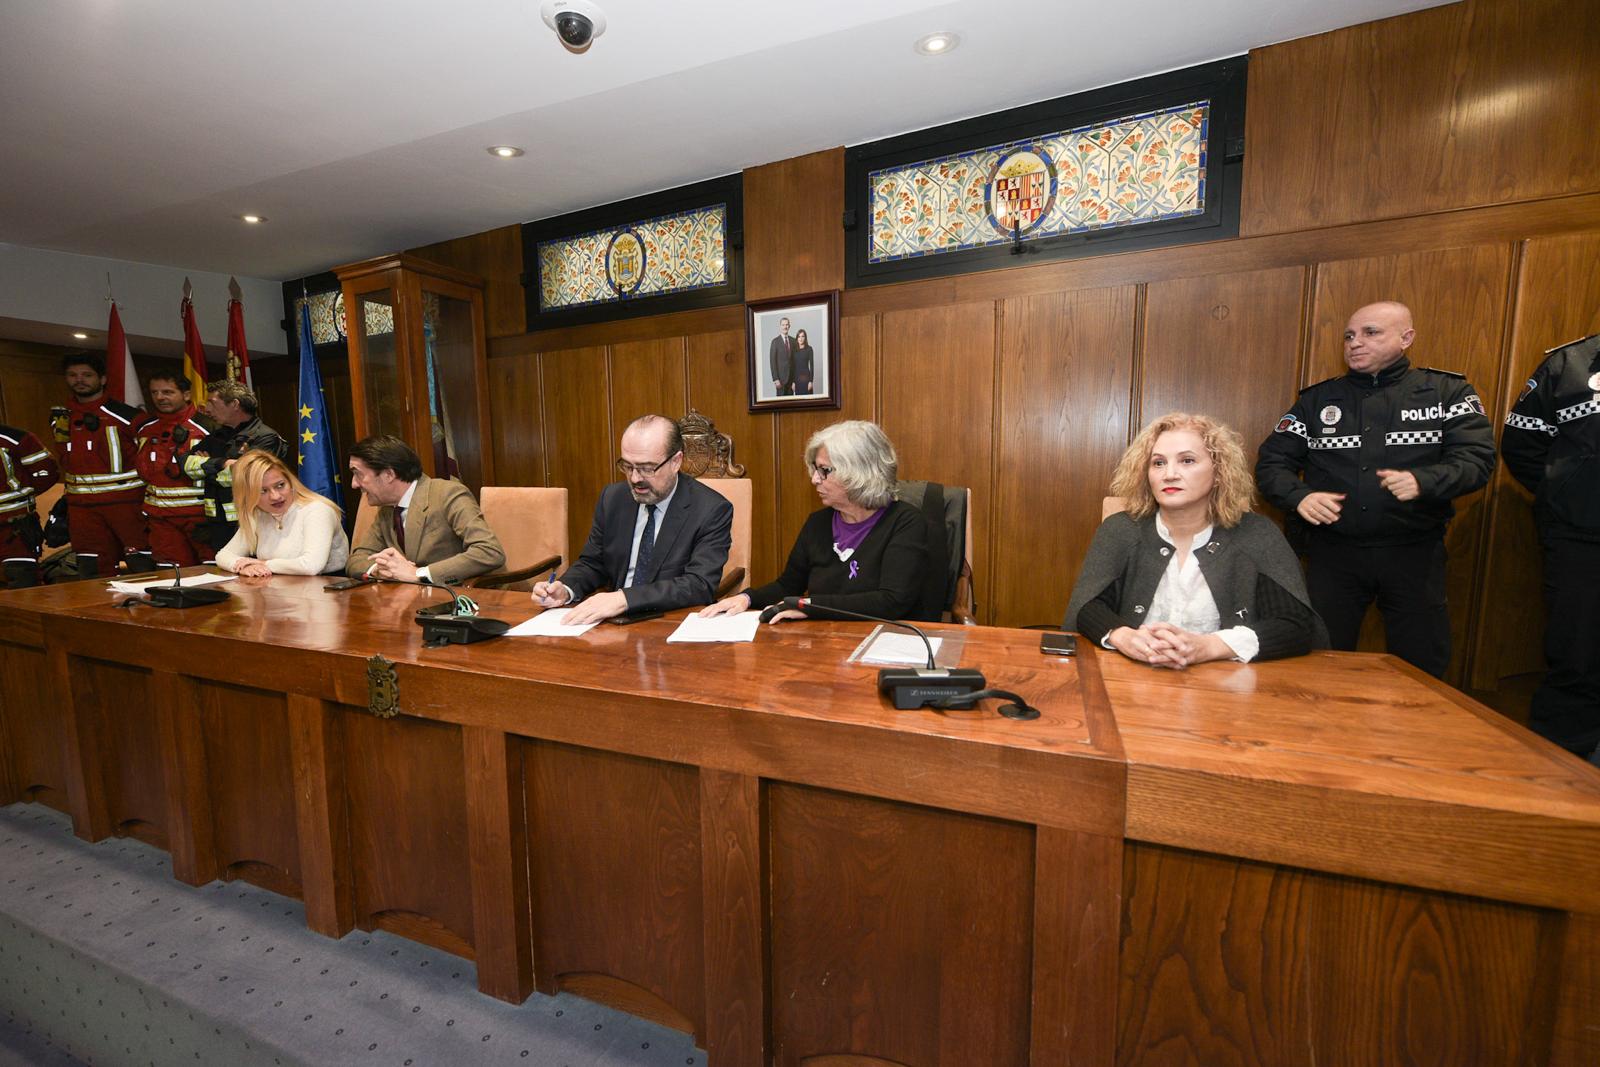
(1322, 443)
(1412, 437)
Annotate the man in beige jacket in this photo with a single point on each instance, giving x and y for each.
(427, 529)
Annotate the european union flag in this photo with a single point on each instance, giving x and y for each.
(315, 441)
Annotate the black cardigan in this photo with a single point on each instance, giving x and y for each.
(892, 567)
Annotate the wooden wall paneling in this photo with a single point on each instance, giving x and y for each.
(1230, 961)
(1224, 345)
(1557, 299)
(647, 377)
(408, 829)
(618, 331)
(617, 836)
(496, 257)
(858, 371)
(1458, 300)
(250, 769)
(30, 384)
(1065, 381)
(516, 411)
(886, 918)
(936, 402)
(35, 743)
(580, 446)
(1456, 106)
(719, 389)
(793, 233)
(734, 887)
(321, 814)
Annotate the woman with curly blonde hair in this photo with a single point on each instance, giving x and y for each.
(1188, 573)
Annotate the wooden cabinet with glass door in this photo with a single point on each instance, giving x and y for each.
(417, 361)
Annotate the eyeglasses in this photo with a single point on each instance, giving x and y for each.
(644, 469)
(826, 472)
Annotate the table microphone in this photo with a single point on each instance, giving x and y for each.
(910, 687)
(177, 595)
(458, 624)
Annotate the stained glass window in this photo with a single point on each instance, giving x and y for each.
(674, 253)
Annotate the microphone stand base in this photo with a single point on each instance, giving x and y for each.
(916, 687)
(441, 630)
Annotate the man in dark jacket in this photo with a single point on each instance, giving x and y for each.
(1551, 445)
(239, 429)
(1384, 449)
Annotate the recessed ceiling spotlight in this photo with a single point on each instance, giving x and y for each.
(80, 335)
(936, 44)
(505, 151)
(253, 219)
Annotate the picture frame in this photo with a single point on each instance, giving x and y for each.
(792, 346)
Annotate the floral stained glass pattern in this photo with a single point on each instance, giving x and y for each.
(671, 254)
(327, 317)
(1133, 170)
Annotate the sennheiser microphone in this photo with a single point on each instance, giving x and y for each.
(455, 623)
(909, 687)
(177, 595)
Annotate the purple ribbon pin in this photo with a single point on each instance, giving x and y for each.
(854, 568)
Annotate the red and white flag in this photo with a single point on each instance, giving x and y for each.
(122, 381)
(194, 353)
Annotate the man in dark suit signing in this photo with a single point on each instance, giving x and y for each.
(427, 529)
(780, 356)
(659, 540)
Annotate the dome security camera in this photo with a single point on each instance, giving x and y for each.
(576, 22)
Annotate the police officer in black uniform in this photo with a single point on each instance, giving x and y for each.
(1551, 444)
(1383, 448)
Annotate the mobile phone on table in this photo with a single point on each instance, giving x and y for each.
(1059, 644)
(348, 583)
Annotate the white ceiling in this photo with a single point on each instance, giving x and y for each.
(140, 129)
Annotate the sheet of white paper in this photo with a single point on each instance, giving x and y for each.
(900, 650)
(551, 623)
(740, 627)
(189, 582)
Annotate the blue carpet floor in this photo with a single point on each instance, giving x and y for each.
(105, 959)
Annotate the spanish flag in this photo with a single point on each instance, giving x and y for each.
(194, 353)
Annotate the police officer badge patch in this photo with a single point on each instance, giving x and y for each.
(1594, 382)
(1329, 416)
(1475, 404)
(1529, 386)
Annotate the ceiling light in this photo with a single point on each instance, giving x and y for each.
(80, 335)
(505, 151)
(253, 219)
(936, 44)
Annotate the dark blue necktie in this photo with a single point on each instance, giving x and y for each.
(647, 545)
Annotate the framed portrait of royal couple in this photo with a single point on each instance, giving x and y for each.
(794, 352)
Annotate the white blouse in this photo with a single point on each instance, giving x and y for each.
(1184, 599)
(309, 539)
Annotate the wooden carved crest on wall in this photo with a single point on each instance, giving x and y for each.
(706, 452)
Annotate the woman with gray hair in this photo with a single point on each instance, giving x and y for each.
(864, 551)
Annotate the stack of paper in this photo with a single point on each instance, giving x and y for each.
(740, 627)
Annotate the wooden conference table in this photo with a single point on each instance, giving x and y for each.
(1326, 860)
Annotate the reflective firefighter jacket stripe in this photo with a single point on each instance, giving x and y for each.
(98, 453)
(163, 444)
(26, 469)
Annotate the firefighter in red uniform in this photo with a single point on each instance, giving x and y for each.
(174, 503)
(26, 469)
(104, 493)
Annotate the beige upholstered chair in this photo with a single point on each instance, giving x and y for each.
(531, 523)
(708, 457)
